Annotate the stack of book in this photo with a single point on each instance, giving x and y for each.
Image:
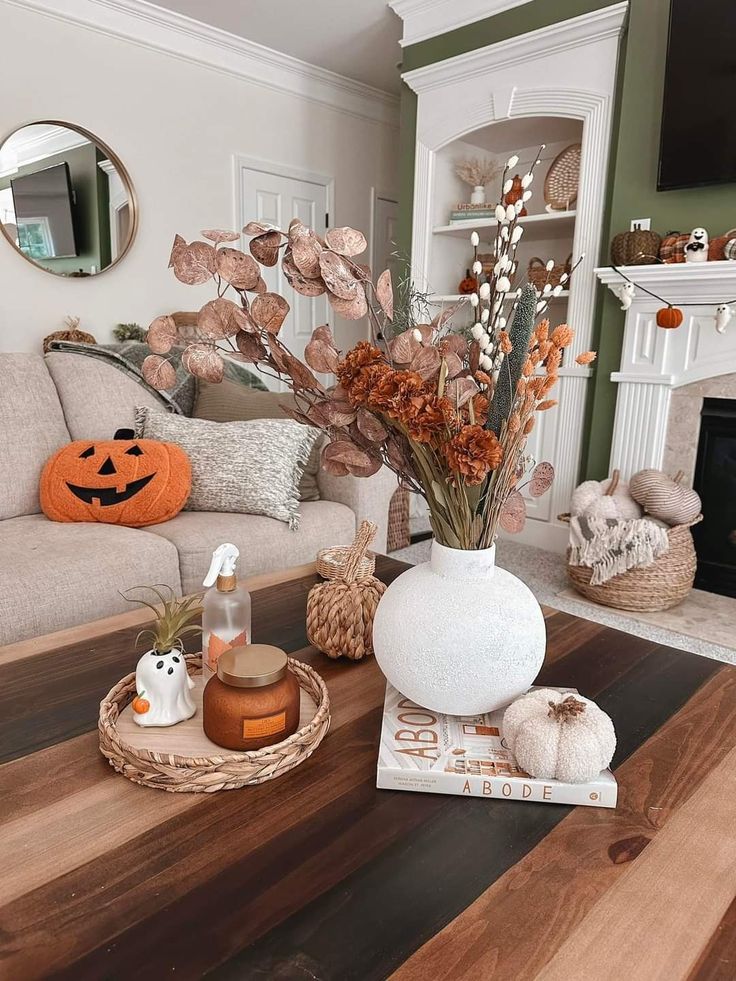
(467, 755)
(472, 212)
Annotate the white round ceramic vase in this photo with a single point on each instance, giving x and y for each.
(459, 635)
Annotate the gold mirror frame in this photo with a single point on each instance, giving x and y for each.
(124, 177)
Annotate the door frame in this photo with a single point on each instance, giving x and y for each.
(378, 193)
(241, 160)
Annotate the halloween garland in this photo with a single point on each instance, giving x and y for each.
(670, 316)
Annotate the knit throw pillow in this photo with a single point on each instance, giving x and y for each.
(240, 467)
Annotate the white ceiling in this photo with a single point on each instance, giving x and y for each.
(355, 38)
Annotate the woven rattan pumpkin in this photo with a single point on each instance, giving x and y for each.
(132, 482)
(72, 333)
(637, 248)
(340, 611)
(669, 317)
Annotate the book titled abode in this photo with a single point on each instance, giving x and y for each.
(444, 754)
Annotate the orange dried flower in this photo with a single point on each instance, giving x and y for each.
(504, 342)
(586, 357)
(528, 425)
(474, 452)
(541, 331)
(553, 360)
(482, 378)
(562, 335)
(548, 384)
(547, 404)
(361, 355)
(424, 417)
(544, 348)
(480, 408)
(514, 423)
(359, 390)
(528, 368)
(394, 390)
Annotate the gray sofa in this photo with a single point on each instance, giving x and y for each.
(56, 575)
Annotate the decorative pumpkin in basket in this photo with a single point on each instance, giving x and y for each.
(664, 497)
(604, 499)
(340, 611)
(637, 248)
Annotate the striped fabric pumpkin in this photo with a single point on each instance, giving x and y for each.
(663, 497)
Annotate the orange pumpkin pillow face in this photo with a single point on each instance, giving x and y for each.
(132, 482)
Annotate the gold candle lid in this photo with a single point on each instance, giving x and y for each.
(252, 666)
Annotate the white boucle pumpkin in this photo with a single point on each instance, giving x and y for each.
(560, 736)
(604, 499)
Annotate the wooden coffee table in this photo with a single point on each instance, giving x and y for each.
(319, 875)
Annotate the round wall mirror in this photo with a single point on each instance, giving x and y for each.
(66, 201)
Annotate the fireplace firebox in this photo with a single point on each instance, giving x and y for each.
(715, 481)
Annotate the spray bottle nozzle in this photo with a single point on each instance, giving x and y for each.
(223, 563)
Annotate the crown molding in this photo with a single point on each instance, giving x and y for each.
(149, 26)
(424, 19)
(565, 36)
(47, 141)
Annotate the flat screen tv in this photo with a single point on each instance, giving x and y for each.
(43, 213)
(698, 138)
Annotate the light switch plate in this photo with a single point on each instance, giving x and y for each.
(641, 224)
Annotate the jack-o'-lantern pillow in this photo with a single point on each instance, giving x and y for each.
(133, 482)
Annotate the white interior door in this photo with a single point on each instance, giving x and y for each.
(275, 198)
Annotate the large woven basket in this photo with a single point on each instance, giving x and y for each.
(659, 586)
(221, 771)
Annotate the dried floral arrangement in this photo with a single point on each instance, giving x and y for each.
(477, 172)
(449, 414)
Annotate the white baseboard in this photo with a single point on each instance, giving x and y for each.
(541, 534)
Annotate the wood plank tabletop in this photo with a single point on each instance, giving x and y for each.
(319, 875)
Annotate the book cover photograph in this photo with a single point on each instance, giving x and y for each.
(433, 753)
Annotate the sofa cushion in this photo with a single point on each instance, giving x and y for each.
(264, 543)
(97, 398)
(62, 575)
(33, 428)
(226, 401)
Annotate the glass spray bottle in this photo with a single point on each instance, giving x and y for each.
(226, 616)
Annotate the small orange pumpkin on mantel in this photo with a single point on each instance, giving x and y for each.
(669, 317)
(132, 482)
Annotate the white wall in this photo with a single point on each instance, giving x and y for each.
(175, 125)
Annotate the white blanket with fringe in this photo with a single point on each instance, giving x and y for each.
(610, 547)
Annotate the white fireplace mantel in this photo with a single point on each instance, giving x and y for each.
(654, 361)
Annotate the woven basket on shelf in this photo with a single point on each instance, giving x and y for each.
(340, 612)
(538, 274)
(659, 586)
(563, 177)
(225, 770)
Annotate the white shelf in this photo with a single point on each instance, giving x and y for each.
(549, 225)
(437, 298)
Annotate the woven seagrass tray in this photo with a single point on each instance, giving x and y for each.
(181, 759)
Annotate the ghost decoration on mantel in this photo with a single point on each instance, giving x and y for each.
(723, 314)
(626, 294)
(164, 685)
(696, 249)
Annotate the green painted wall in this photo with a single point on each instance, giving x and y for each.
(632, 170)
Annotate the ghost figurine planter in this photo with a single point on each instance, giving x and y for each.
(163, 686)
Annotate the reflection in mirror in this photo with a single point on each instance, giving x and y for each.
(66, 202)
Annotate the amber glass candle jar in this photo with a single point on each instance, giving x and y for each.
(253, 700)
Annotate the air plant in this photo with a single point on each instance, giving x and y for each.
(172, 620)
